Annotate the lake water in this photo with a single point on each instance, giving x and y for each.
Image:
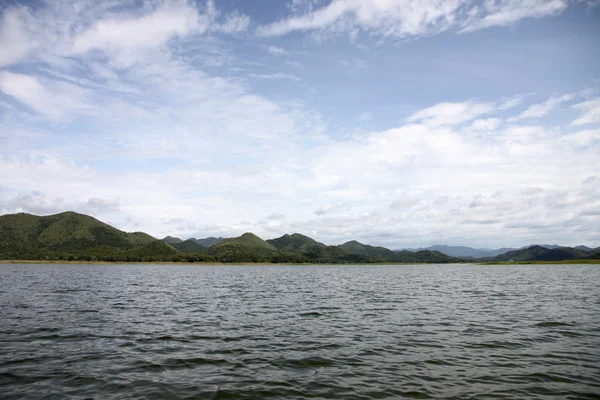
(348, 332)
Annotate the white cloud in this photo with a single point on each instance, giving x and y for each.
(451, 113)
(589, 112)
(505, 12)
(140, 32)
(15, 40)
(406, 18)
(276, 75)
(234, 22)
(542, 109)
(276, 51)
(169, 148)
(55, 98)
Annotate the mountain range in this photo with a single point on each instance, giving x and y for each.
(470, 252)
(73, 236)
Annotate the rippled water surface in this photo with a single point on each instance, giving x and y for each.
(350, 332)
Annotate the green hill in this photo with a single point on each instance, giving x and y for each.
(154, 251)
(247, 239)
(207, 242)
(294, 242)
(539, 253)
(73, 236)
(372, 251)
(30, 236)
(171, 240)
(245, 248)
(315, 252)
(189, 246)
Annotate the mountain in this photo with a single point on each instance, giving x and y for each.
(245, 248)
(540, 253)
(372, 251)
(191, 245)
(73, 236)
(294, 242)
(171, 240)
(582, 247)
(188, 246)
(25, 236)
(309, 250)
(463, 251)
(207, 242)
(153, 251)
(470, 252)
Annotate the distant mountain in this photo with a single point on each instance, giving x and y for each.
(470, 252)
(191, 245)
(372, 251)
(26, 236)
(294, 242)
(309, 250)
(464, 251)
(540, 253)
(188, 246)
(245, 248)
(171, 240)
(207, 242)
(73, 236)
(153, 251)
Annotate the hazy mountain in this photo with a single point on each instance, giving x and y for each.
(582, 247)
(465, 251)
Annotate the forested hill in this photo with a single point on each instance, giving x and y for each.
(73, 236)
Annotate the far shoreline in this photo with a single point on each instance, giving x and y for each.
(200, 263)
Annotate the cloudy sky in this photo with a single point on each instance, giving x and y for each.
(394, 122)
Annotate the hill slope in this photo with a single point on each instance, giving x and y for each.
(189, 246)
(376, 252)
(245, 248)
(207, 242)
(171, 240)
(539, 253)
(25, 235)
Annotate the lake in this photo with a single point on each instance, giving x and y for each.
(275, 331)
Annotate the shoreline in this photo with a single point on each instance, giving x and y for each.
(200, 263)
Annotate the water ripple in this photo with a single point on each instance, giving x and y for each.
(296, 332)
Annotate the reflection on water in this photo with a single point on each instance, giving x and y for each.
(352, 332)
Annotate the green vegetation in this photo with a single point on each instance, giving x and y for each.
(188, 246)
(76, 237)
(63, 236)
(539, 253)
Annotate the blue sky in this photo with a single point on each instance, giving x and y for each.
(396, 123)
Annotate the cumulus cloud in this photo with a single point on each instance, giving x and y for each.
(139, 134)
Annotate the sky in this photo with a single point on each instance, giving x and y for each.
(393, 122)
